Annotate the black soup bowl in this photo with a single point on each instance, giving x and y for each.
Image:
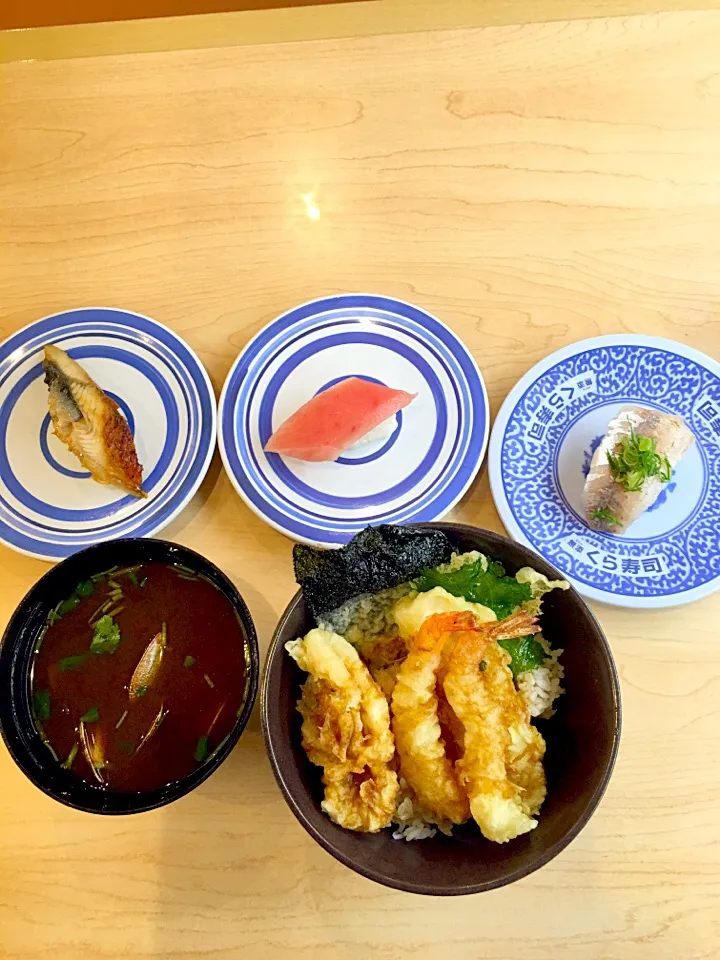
(582, 741)
(16, 654)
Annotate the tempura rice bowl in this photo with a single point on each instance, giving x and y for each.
(581, 737)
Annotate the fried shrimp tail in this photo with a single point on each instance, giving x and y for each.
(421, 748)
(346, 731)
(519, 624)
(501, 767)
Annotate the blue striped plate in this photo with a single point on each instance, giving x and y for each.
(417, 474)
(542, 444)
(49, 506)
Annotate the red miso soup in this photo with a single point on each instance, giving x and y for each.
(139, 676)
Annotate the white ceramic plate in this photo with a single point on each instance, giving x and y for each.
(49, 506)
(417, 474)
(540, 450)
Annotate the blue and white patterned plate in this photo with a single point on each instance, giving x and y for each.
(540, 451)
(49, 506)
(417, 474)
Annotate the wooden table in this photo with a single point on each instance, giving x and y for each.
(531, 185)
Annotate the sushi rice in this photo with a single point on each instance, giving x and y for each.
(367, 618)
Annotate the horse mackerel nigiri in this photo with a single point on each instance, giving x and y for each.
(613, 502)
(90, 424)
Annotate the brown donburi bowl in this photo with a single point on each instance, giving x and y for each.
(582, 742)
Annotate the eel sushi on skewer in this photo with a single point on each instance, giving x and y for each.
(90, 424)
(631, 466)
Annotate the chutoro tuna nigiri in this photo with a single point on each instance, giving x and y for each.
(632, 464)
(324, 427)
(89, 423)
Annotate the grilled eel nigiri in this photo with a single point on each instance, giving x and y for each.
(89, 423)
(604, 498)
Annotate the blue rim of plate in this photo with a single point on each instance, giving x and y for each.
(545, 426)
(180, 388)
(291, 505)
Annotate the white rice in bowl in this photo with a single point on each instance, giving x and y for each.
(411, 822)
(366, 618)
(541, 687)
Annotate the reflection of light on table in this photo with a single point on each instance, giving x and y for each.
(311, 208)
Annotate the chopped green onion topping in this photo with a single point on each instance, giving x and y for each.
(188, 661)
(67, 606)
(605, 514)
(72, 663)
(91, 716)
(201, 750)
(85, 589)
(106, 636)
(141, 691)
(637, 461)
(66, 764)
(41, 705)
(132, 577)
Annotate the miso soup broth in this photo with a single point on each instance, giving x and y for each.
(138, 676)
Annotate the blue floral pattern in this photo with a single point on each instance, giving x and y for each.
(686, 557)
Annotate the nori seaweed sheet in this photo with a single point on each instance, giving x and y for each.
(375, 559)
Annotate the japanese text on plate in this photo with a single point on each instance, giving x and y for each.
(650, 565)
(552, 405)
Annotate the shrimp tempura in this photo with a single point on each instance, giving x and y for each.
(424, 762)
(501, 768)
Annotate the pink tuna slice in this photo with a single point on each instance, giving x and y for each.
(336, 419)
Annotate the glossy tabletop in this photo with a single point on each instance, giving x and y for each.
(530, 185)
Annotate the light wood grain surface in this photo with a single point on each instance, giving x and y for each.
(359, 18)
(531, 186)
